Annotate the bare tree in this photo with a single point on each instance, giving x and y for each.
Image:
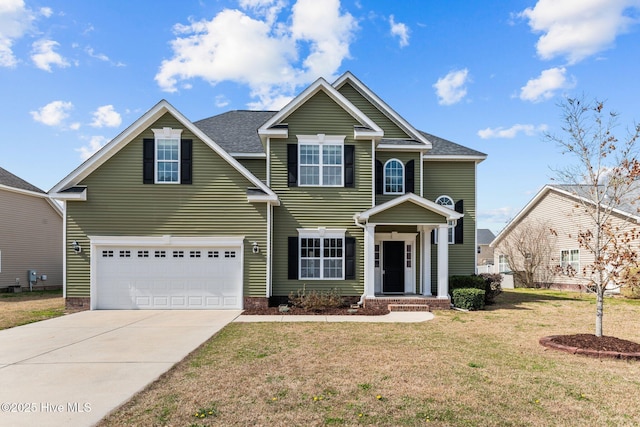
(604, 177)
(528, 249)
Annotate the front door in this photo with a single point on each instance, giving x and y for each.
(393, 267)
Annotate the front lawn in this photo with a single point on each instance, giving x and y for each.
(28, 307)
(461, 369)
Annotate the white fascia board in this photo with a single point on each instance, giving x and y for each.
(440, 158)
(134, 130)
(386, 109)
(305, 95)
(249, 155)
(264, 199)
(167, 240)
(367, 134)
(392, 147)
(410, 197)
(273, 133)
(81, 196)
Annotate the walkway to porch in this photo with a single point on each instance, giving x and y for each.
(408, 302)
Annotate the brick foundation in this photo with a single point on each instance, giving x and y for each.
(408, 303)
(256, 302)
(77, 303)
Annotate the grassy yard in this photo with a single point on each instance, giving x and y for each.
(461, 369)
(28, 307)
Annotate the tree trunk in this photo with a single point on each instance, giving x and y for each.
(599, 312)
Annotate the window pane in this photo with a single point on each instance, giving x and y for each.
(309, 175)
(310, 268)
(167, 156)
(309, 155)
(332, 154)
(332, 175)
(332, 268)
(393, 177)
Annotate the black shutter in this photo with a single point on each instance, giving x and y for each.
(409, 177)
(433, 237)
(148, 160)
(350, 258)
(379, 177)
(292, 165)
(349, 160)
(186, 148)
(293, 258)
(459, 230)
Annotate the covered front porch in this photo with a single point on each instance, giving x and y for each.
(406, 253)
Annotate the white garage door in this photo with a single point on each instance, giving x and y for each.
(168, 277)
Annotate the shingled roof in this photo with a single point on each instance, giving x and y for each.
(236, 132)
(10, 180)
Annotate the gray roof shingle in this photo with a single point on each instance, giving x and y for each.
(10, 180)
(443, 147)
(485, 236)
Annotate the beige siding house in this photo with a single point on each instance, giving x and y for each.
(334, 191)
(558, 208)
(30, 236)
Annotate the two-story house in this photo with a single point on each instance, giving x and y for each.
(336, 190)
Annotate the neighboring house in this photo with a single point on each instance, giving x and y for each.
(30, 235)
(557, 207)
(485, 251)
(334, 191)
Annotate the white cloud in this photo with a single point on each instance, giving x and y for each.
(545, 86)
(15, 21)
(400, 30)
(95, 144)
(52, 114)
(44, 56)
(101, 56)
(452, 87)
(46, 12)
(577, 29)
(221, 101)
(271, 54)
(106, 116)
(511, 132)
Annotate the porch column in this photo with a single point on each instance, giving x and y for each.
(425, 243)
(369, 260)
(443, 261)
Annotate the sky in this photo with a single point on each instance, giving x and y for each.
(489, 75)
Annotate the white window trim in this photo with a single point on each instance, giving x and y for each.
(452, 224)
(165, 133)
(564, 264)
(503, 267)
(320, 140)
(384, 177)
(321, 233)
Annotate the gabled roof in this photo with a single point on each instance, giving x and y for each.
(569, 191)
(8, 179)
(367, 129)
(126, 136)
(450, 214)
(384, 108)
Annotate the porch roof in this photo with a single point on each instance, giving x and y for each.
(402, 210)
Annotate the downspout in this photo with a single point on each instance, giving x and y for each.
(364, 229)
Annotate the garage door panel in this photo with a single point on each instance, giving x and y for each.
(168, 278)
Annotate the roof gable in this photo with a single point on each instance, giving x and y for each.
(445, 212)
(368, 129)
(147, 120)
(10, 180)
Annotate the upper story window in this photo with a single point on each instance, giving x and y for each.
(393, 177)
(167, 155)
(167, 159)
(447, 201)
(321, 160)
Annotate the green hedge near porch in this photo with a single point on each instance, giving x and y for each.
(489, 283)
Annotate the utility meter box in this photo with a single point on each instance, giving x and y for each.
(33, 276)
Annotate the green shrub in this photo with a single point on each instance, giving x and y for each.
(468, 298)
(489, 283)
(316, 300)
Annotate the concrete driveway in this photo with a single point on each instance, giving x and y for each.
(75, 369)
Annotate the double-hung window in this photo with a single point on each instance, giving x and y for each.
(570, 259)
(321, 160)
(448, 202)
(167, 155)
(503, 264)
(322, 254)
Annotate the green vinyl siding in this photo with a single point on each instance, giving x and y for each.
(313, 207)
(119, 204)
(384, 156)
(258, 167)
(391, 130)
(407, 213)
(456, 180)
